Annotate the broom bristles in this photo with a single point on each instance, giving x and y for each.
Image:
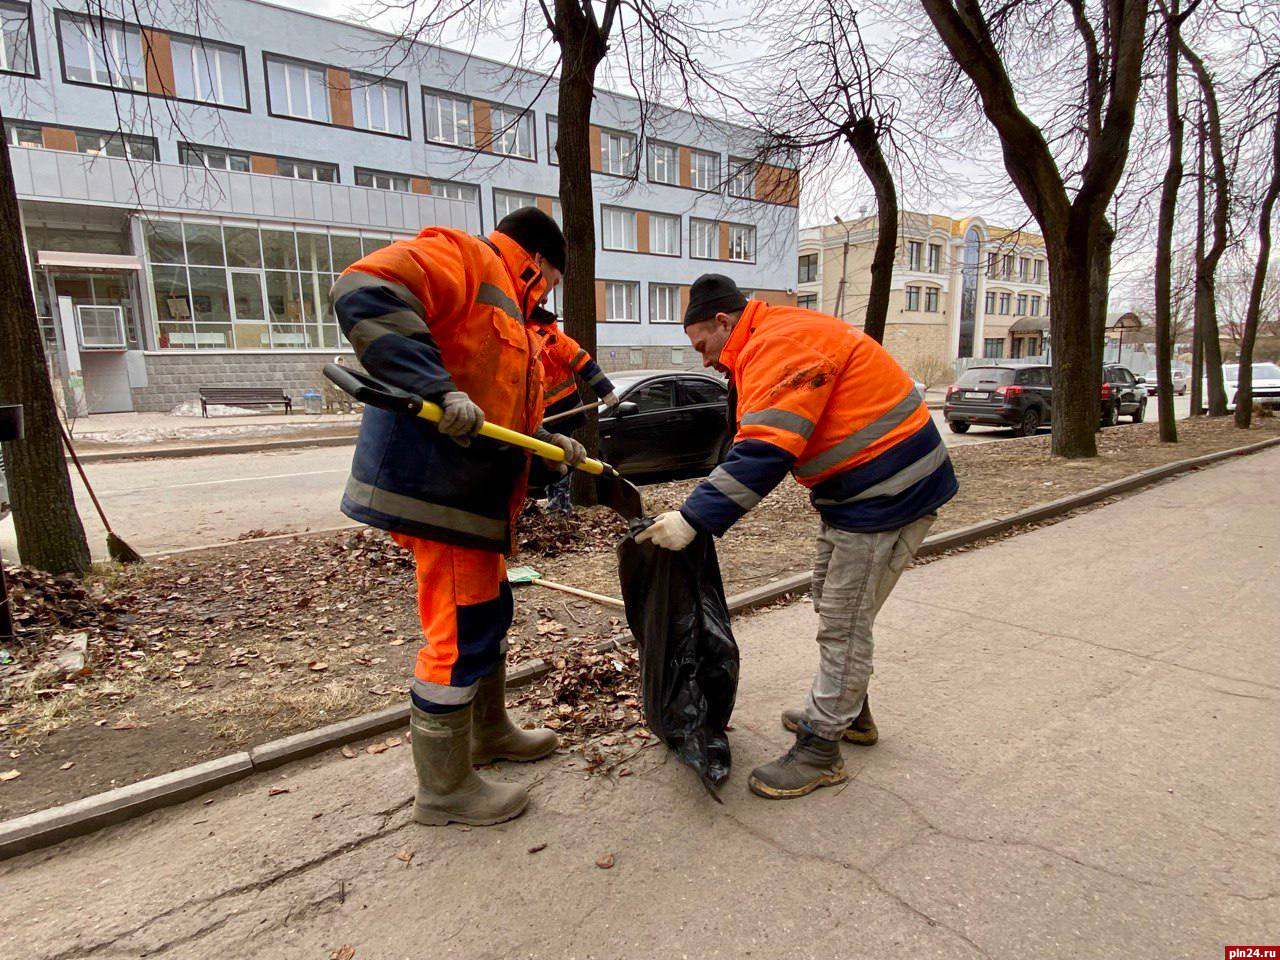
(121, 552)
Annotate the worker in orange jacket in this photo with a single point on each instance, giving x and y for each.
(822, 401)
(444, 316)
(563, 361)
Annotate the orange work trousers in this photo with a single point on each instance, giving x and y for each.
(464, 602)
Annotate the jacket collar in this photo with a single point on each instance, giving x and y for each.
(526, 278)
(742, 331)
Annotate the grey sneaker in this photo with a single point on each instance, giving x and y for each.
(812, 762)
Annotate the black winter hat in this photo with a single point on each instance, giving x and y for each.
(537, 233)
(710, 294)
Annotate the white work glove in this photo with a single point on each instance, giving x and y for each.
(671, 531)
(612, 400)
(462, 418)
(574, 452)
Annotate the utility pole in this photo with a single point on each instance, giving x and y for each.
(844, 270)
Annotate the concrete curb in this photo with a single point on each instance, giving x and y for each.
(211, 450)
(47, 827)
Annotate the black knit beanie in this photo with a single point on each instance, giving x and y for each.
(710, 294)
(537, 233)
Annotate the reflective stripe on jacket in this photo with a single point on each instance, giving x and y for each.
(562, 358)
(826, 402)
(444, 311)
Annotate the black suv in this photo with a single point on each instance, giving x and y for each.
(1019, 397)
(1123, 395)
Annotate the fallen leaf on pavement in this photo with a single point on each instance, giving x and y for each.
(344, 952)
(318, 665)
(393, 741)
(605, 862)
(537, 848)
(10, 775)
(349, 752)
(276, 791)
(68, 765)
(398, 641)
(376, 748)
(404, 856)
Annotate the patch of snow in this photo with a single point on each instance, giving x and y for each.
(191, 408)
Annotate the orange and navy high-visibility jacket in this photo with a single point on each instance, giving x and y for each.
(444, 311)
(562, 360)
(827, 403)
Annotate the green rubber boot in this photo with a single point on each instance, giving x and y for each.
(494, 736)
(449, 791)
(812, 762)
(862, 731)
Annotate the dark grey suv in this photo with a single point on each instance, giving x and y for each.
(1020, 397)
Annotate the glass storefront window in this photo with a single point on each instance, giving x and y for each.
(374, 243)
(242, 247)
(209, 301)
(278, 252)
(164, 241)
(313, 252)
(346, 251)
(204, 243)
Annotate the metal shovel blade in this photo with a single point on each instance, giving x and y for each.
(620, 496)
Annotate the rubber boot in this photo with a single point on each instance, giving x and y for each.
(449, 791)
(494, 736)
(862, 731)
(812, 762)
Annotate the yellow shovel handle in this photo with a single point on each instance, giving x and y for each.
(548, 451)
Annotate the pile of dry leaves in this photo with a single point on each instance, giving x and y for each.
(586, 530)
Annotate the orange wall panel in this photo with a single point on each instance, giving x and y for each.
(340, 111)
(596, 165)
(724, 241)
(642, 231)
(599, 301)
(159, 63)
(56, 138)
(258, 164)
(483, 124)
(686, 166)
(420, 185)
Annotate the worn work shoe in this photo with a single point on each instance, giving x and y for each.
(812, 762)
(862, 731)
(494, 736)
(449, 791)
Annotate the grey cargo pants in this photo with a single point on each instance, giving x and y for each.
(853, 574)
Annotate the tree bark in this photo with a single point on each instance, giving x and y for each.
(582, 47)
(1207, 260)
(1244, 393)
(1164, 236)
(49, 532)
(1076, 402)
(864, 137)
(1099, 300)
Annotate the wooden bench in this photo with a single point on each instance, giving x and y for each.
(244, 397)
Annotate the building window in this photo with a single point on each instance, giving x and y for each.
(455, 191)
(1024, 269)
(298, 90)
(1006, 266)
(379, 180)
(935, 258)
(807, 301)
(307, 170)
(15, 44)
(1022, 305)
(742, 179)
(508, 201)
(617, 153)
(619, 229)
(19, 134)
(664, 234)
(993, 347)
(664, 163)
(704, 170)
(913, 299)
(742, 243)
(620, 301)
(704, 236)
(930, 299)
(664, 303)
(512, 131)
(1004, 304)
(1038, 271)
(102, 52)
(379, 105)
(115, 145)
(1035, 306)
(991, 302)
(208, 72)
(808, 268)
(553, 138)
(992, 268)
(449, 120)
(213, 157)
(915, 255)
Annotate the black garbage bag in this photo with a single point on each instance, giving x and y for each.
(688, 657)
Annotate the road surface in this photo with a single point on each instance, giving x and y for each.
(1088, 772)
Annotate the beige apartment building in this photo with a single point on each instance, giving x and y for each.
(961, 288)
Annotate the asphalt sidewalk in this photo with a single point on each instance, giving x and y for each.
(1075, 762)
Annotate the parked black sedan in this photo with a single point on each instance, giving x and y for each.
(668, 421)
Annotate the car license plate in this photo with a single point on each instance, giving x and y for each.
(975, 396)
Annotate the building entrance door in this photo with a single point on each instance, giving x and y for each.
(249, 310)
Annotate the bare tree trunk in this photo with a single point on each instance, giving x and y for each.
(582, 47)
(1244, 395)
(50, 535)
(1076, 401)
(1206, 282)
(864, 137)
(1198, 398)
(1164, 236)
(1099, 299)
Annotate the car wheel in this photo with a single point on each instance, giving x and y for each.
(958, 426)
(1140, 413)
(1110, 415)
(1029, 425)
